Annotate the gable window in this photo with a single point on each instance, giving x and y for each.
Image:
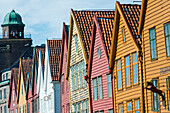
(129, 107)
(120, 108)
(4, 93)
(127, 69)
(62, 84)
(0, 94)
(109, 85)
(137, 107)
(135, 68)
(152, 43)
(123, 34)
(80, 75)
(100, 89)
(119, 76)
(168, 92)
(98, 52)
(94, 88)
(13, 94)
(76, 76)
(76, 44)
(167, 38)
(155, 97)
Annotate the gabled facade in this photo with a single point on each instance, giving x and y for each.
(12, 102)
(154, 28)
(100, 83)
(77, 59)
(64, 87)
(25, 69)
(125, 61)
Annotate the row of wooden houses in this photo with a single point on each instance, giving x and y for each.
(107, 61)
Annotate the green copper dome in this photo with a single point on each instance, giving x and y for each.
(12, 18)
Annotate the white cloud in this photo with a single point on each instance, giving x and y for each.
(44, 18)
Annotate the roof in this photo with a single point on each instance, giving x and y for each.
(84, 21)
(54, 46)
(26, 69)
(12, 18)
(64, 41)
(132, 14)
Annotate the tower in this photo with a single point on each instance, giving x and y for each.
(13, 27)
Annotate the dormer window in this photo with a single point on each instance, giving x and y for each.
(123, 34)
(99, 52)
(76, 45)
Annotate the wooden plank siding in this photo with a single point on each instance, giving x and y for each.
(80, 94)
(123, 49)
(157, 14)
(100, 68)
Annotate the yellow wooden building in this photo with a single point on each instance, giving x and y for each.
(125, 60)
(154, 28)
(25, 68)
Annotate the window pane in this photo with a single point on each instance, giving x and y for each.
(152, 43)
(94, 89)
(80, 75)
(5, 93)
(100, 87)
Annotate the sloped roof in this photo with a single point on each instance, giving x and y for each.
(84, 21)
(132, 14)
(54, 46)
(106, 27)
(26, 69)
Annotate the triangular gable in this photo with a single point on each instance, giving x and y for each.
(64, 41)
(28, 85)
(142, 16)
(14, 76)
(127, 12)
(83, 20)
(19, 81)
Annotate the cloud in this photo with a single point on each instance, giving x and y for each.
(44, 18)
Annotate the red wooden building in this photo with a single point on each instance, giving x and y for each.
(12, 103)
(100, 85)
(64, 87)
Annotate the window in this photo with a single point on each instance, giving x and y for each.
(96, 112)
(28, 107)
(75, 108)
(72, 78)
(13, 94)
(76, 76)
(0, 94)
(120, 107)
(13, 33)
(20, 34)
(67, 85)
(6, 76)
(100, 90)
(94, 88)
(22, 89)
(109, 85)
(137, 107)
(82, 106)
(23, 108)
(168, 92)
(35, 105)
(127, 69)
(5, 109)
(135, 68)
(3, 76)
(68, 108)
(16, 110)
(152, 43)
(20, 109)
(123, 34)
(78, 110)
(12, 111)
(110, 110)
(102, 111)
(86, 106)
(129, 107)
(62, 109)
(84, 73)
(154, 97)
(5, 33)
(62, 84)
(167, 38)
(76, 45)
(119, 77)
(4, 93)
(98, 52)
(80, 75)
(1, 109)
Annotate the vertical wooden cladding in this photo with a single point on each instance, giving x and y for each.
(76, 57)
(100, 68)
(65, 99)
(157, 14)
(127, 48)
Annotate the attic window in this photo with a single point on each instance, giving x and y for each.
(99, 52)
(76, 45)
(123, 34)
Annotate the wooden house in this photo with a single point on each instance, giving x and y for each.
(125, 61)
(100, 83)
(25, 69)
(64, 87)
(77, 58)
(12, 103)
(154, 28)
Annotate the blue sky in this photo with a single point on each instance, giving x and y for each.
(44, 18)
